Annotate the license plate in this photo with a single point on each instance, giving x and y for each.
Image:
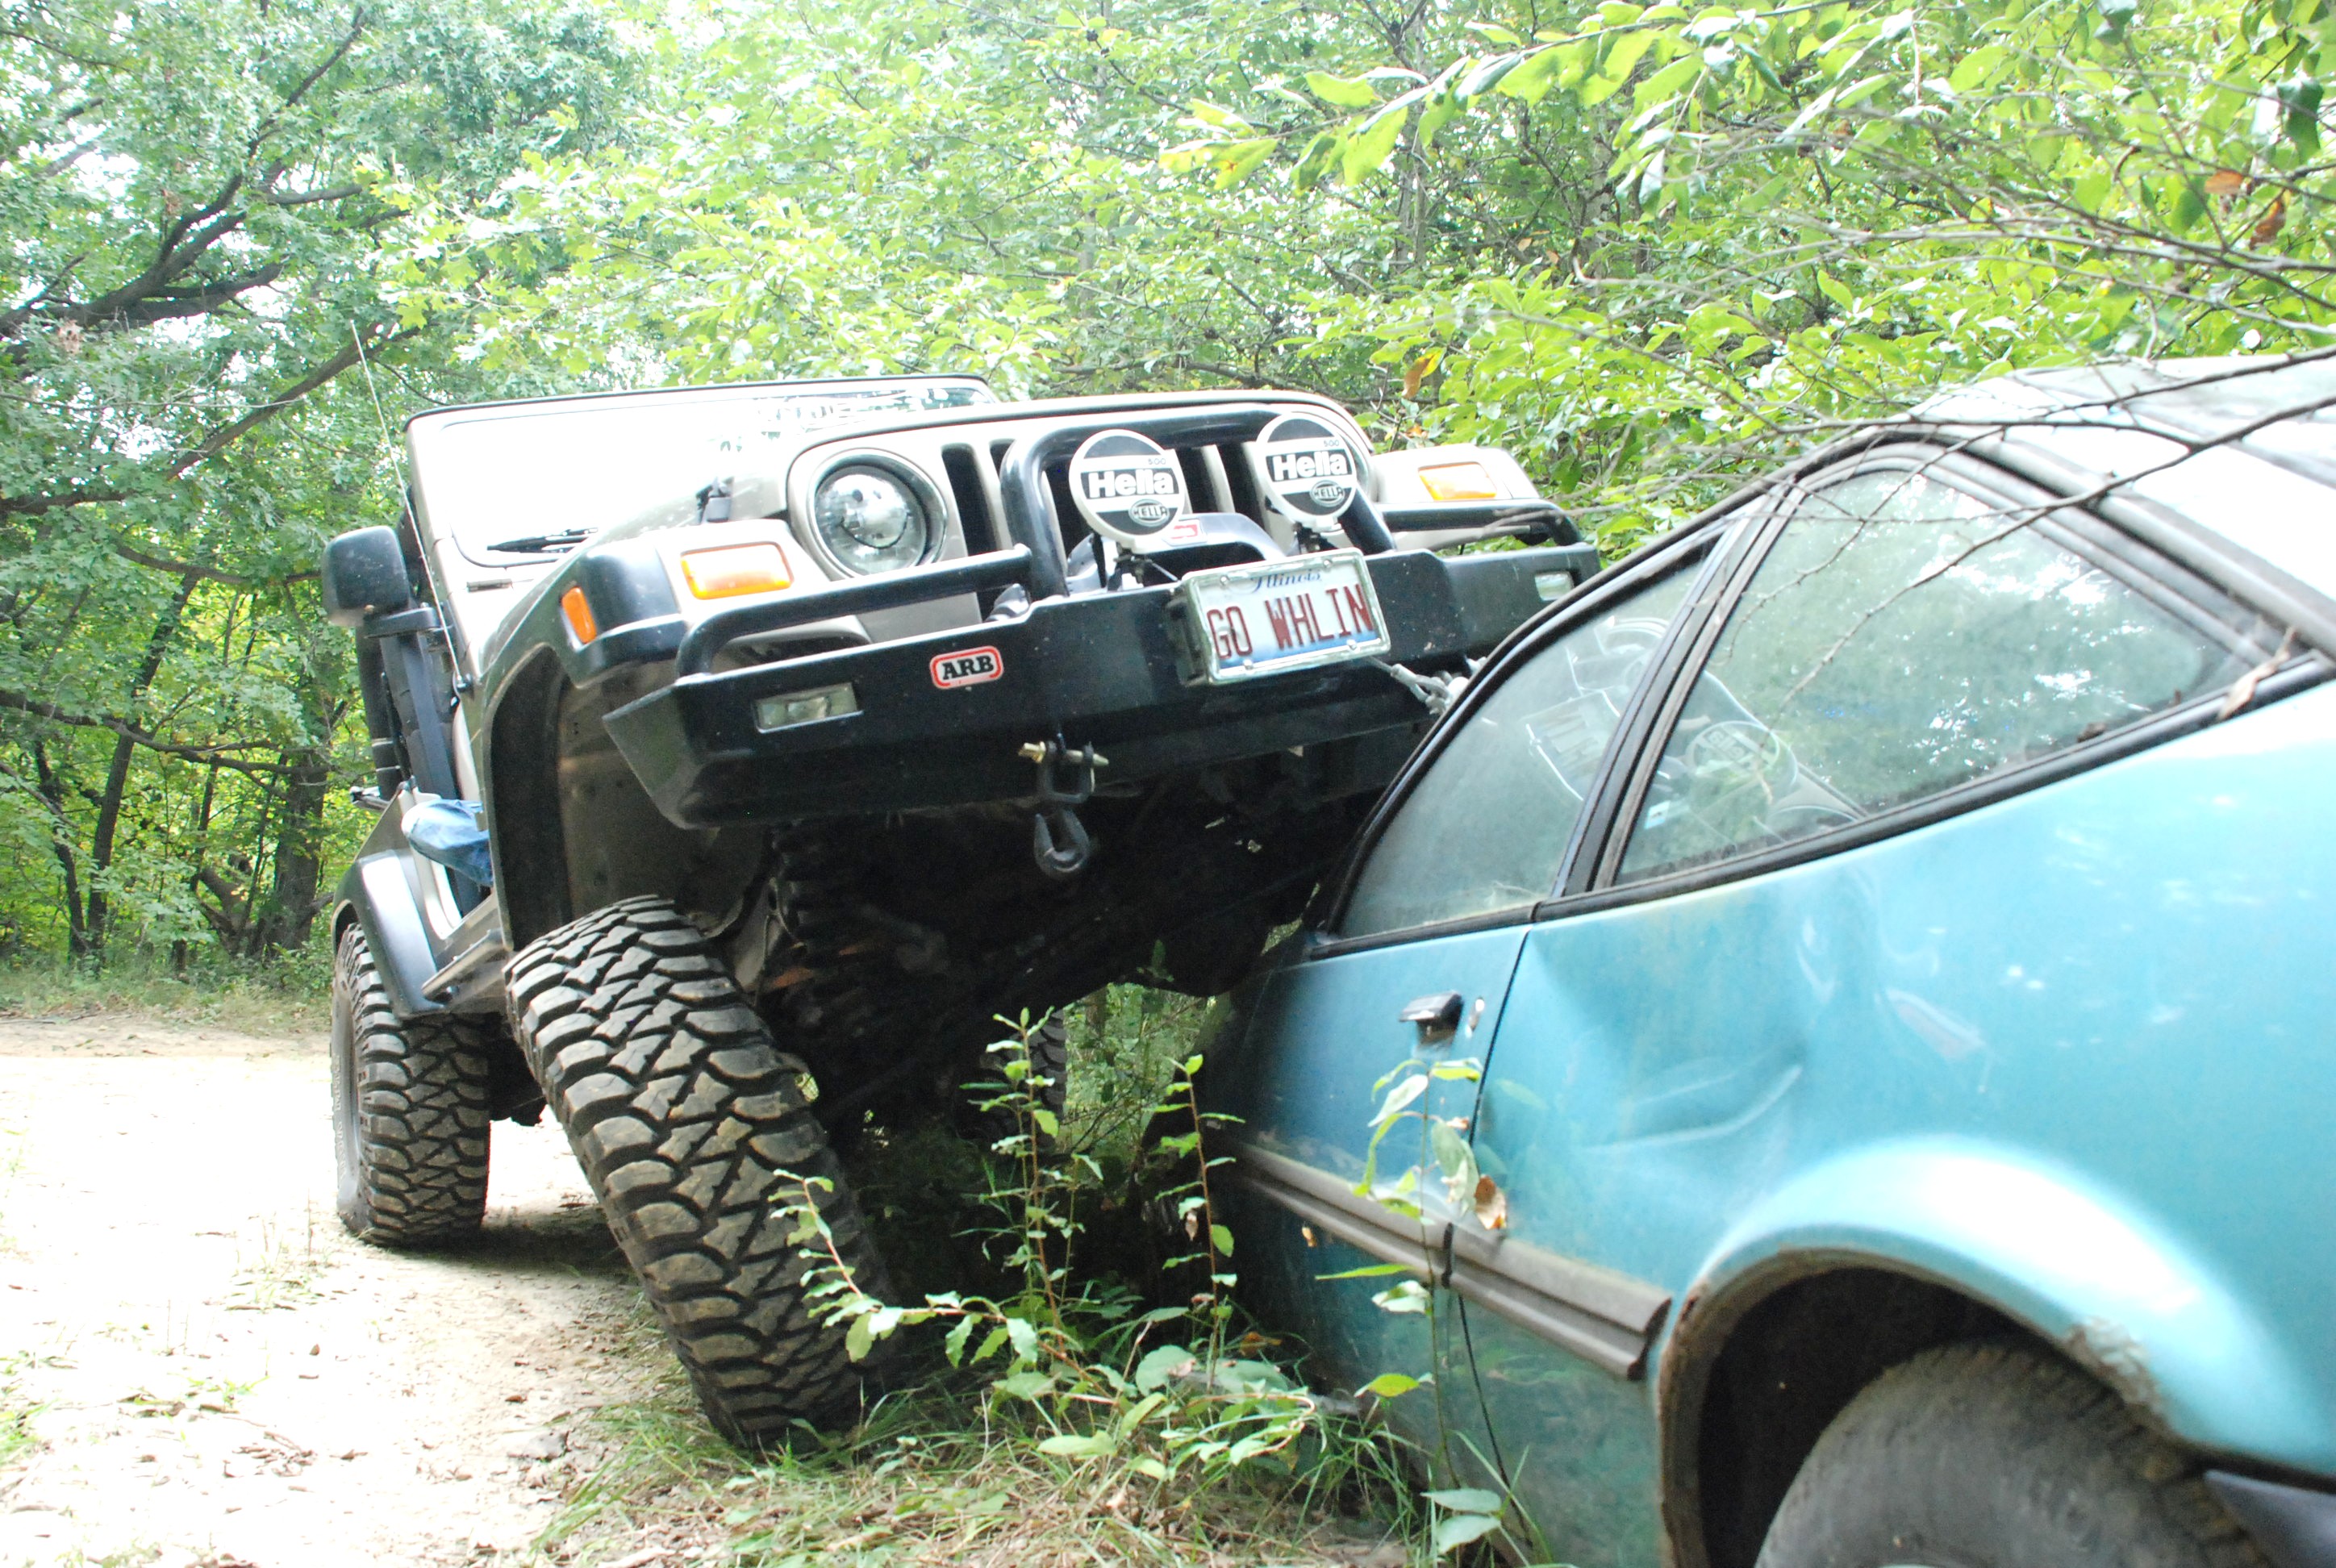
(1240, 622)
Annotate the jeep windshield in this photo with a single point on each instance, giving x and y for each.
(508, 482)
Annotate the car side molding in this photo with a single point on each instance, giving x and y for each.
(1608, 1319)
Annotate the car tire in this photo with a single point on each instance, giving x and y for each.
(683, 1115)
(1996, 1454)
(410, 1107)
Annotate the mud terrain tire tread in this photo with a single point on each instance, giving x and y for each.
(411, 1107)
(1996, 1454)
(682, 1111)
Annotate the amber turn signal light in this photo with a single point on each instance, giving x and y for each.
(576, 611)
(1460, 481)
(735, 568)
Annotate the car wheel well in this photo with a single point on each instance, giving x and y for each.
(1788, 1362)
(523, 796)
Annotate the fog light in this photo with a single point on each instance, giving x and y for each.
(1460, 481)
(791, 709)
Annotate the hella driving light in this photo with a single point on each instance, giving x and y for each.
(791, 709)
(872, 517)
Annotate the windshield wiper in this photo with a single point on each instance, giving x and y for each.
(542, 544)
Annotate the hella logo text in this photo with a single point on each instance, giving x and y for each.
(1128, 482)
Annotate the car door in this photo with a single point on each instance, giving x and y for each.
(1702, 1010)
(1430, 926)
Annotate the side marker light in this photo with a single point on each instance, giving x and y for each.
(730, 570)
(576, 611)
(1460, 481)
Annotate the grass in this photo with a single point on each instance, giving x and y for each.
(945, 1466)
(17, 1439)
(277, 1272)
(286, 999)
(937, 1474)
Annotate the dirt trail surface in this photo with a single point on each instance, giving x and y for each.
(226, 1377)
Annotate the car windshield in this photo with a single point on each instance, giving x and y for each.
(528, 478)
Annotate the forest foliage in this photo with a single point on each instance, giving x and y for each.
(1648, 249)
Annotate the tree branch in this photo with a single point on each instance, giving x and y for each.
(203, 573)
(218, 754)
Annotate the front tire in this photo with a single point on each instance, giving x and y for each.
(410, 1112)
(1996, 1454)
(684, 1114)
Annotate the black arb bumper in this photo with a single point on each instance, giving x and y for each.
(941, 718)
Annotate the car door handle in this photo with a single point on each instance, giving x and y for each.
(1436, 1017)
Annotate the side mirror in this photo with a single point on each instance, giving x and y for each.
(364, 574)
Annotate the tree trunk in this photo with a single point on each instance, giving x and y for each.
(61, 839)
(292, 902)
(117, 777)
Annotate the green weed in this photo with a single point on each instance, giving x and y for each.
(1053, 1414)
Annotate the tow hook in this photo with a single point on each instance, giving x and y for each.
(1067, 778)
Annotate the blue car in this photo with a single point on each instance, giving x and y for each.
(1826, 1056)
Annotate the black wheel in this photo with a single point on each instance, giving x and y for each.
(684, 1114)
(1996, 1454)
(411, 1104)
(1050, 1058)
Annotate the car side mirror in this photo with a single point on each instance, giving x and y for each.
(364, 575)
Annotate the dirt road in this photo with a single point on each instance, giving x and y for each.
(225, 1378)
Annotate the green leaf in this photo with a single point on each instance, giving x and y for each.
(1401, 1095)
(1388, 1386)
(1410, 1297)
(1345, 92)
(858, 1340)
(1442, 109)
(2189, 206)
(1488, 76)
(1370, 1271)
(1456, 1530)
(1023, 1337)
(1321, 155)
(1222, 1238)
(1975, 68)
(1623, 57)
(1467, 1500)
(1084, 1445)
(1031, 1385)
(1536, 73)
(1162, 1364)
(1373, 145)
(1663, 83)
(954, 1345)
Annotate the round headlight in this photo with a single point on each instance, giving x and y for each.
(871, 520)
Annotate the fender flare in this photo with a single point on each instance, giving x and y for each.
(2112, 1289)
(378, 891)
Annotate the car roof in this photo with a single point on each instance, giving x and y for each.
(2243, 446)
